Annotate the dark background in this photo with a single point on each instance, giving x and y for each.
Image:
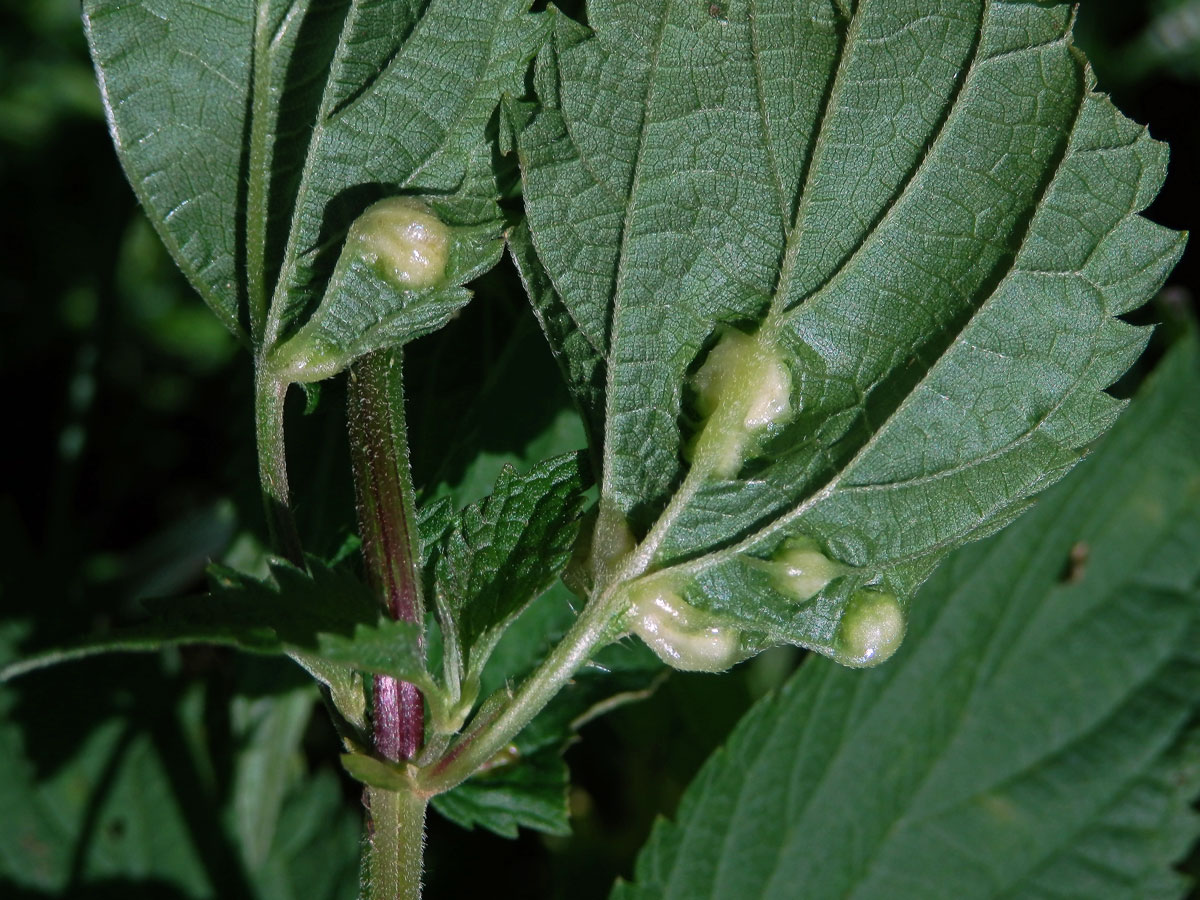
(128, 459)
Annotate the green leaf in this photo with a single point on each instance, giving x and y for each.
(326, 619)
(180, 128)
(269, 731)
(315, 854)
(923, 223)
(528, 788)
(111, 811)
(140, 792)
(1034, 738)
(255, 132)
(529, 793)
(389, 647)
(504, 551)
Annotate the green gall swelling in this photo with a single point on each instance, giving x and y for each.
(612, 543)
(871, 630)
(684, 637)
(743, 390)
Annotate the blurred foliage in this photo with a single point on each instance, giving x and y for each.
(129, 465)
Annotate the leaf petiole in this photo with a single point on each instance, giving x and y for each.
(269, 395)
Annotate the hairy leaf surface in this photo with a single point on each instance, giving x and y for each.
(924, 208)
(504, 551)
(255, 133)
(1032, 739)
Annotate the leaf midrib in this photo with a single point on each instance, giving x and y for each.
(811, 164)
(622, 250)
(953, 101)
(328, 112)
(782, 520)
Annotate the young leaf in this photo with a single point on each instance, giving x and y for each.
(503, 552)
(526, 793)
(528, 788)
(1033, 739)
(906, 229)
(256, 133)
(328, 621)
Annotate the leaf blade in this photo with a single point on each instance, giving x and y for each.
(507, 549)
(209, 85)
(924, 229)
(1018, 735)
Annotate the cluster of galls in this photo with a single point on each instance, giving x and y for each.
(743, 392)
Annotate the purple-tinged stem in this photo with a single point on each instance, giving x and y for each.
(387, 525)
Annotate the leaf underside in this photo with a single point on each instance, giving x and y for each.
(926, 202)
(255, 133)
(1033, 739)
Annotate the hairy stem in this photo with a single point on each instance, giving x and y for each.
(391, 550)
(387, 525)
(269, 395)
(397, 845)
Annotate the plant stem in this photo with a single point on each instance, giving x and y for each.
(387, 525)
(391, 550)
(397, 844)
(383, 482)
(596, 626)
(269, 395)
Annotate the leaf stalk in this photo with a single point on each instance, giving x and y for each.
(598, 625)
(269, 396)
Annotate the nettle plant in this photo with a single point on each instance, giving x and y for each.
(836, 289)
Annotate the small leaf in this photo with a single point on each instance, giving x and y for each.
(389, 647)
(530, 793)
(1034, 738)
(506, 550)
